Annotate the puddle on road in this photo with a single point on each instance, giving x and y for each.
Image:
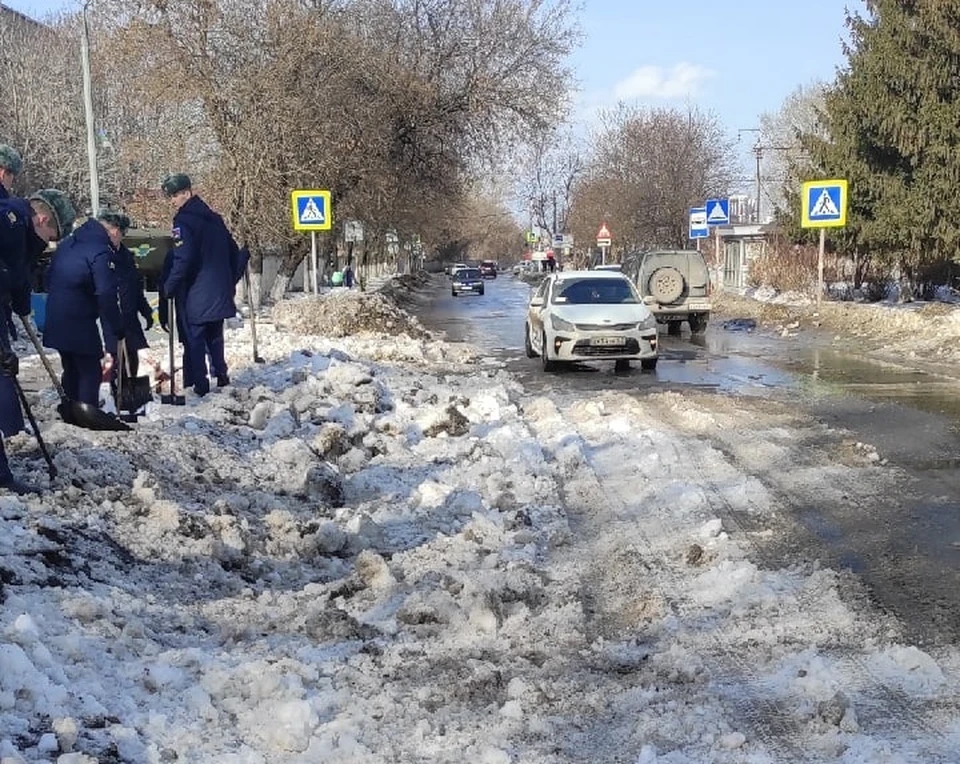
(735, 359)
(829, 371)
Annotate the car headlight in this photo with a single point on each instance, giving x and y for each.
(650, 322)
(561, 325)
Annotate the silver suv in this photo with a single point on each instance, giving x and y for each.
(675, 284)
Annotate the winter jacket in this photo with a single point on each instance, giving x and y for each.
(19, 248)
(133, 302)
(206, 264)
(82, 287)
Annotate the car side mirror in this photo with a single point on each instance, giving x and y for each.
(536, 302)
(649, 300)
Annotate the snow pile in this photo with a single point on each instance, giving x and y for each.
(399, 288)
(928, 330)
(345, 312)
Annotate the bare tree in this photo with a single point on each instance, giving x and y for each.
(552, 164)
(39, 74)
(647, 168)
(780, 133)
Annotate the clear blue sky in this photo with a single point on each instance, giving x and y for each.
(738, 58)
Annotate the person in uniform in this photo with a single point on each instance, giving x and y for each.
(26, 227)
(204, 270)
(133, 302)
(82, 286)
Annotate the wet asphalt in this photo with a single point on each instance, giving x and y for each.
(905, 547)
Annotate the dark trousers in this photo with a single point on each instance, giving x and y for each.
(81, 377)
(199, 341)
(5, 474)
(11, 415)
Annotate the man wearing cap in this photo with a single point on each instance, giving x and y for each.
(82, 286)
(204, 271)
(26, 227)
(132, 300)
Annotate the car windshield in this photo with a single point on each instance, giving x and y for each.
(587, 291)
(468, 273)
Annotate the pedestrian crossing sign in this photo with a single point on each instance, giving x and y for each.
(311, 210)
(824, 204)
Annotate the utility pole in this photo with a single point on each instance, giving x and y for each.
(88, 112)
(758, 149)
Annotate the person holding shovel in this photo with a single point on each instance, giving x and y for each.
(26, 227)
(132, 300)
(82, 286)
(204, 270)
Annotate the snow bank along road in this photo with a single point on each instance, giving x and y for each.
(378, 549)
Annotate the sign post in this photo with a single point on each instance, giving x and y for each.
(311, 212)
(823, 205)
(718, 214)
(699, 228)
(603, 241)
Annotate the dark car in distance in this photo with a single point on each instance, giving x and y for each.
(467, 281)
(488, 269)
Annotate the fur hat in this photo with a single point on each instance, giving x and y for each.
(61, 207)
(10, 159)
(174, 184)
(115, 218)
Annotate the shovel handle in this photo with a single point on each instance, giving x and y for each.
(32, 334)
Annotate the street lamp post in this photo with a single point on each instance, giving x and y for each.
(88, 113)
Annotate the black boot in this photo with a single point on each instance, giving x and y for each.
(223, 381)
(65, 410)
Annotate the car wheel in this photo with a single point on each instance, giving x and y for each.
(673, 328)
(698, 323)
(545, 361)
(481, 290)
(527, 345)
(648, 364)
(453, 292)
(621, 365)
(666, 284)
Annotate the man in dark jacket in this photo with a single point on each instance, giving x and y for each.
(132, 300)
(26, 227)
(82, 286)
(203, 277)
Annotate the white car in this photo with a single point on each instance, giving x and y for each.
(589, 316)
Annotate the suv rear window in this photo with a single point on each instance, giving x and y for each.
(468, 273)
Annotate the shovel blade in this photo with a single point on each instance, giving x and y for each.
(92, 417)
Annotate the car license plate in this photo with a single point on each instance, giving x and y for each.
(698, 306)
(606, 341)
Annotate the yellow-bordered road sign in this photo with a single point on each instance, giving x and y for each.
(823, 204)
(311, 210)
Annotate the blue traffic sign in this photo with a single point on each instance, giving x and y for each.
(824, 204)
(311, 210)
(718, 211)
(699, 228)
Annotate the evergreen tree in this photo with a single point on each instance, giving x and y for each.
(893, 116)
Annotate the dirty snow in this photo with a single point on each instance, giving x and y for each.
(376, 548)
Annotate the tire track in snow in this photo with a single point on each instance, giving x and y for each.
(925, 720)
(597, 512)
(595, 503)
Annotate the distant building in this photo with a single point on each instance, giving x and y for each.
(743, 209)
